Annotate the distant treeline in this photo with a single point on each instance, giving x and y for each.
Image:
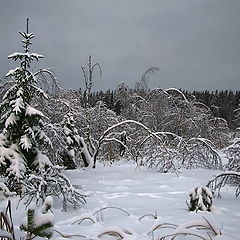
(222, 103)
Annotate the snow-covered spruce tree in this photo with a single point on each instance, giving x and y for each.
(23, 143)
(22, 138)
(76, 147)
(69, 154)
(68, 128)
(201, 198)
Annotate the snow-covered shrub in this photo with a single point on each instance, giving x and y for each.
(233, 154)
(142, 144)
(201, 198)
(160, 153)
(57, 107)
(98, 120)
(61, 103)
(39, 222)
(70, 130)
(51, 181)
(219, 132)
(169, 110)
(200, 152)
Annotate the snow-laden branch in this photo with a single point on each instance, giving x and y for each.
(102, 138)
(200, 152)
(177, 91)
(222, 179)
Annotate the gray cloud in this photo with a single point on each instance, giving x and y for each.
(195, 43)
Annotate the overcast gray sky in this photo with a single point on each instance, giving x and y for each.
(195, 43)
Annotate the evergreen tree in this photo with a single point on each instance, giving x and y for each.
(201, 198)
(22, 139)
(76, 147)
(23, 142)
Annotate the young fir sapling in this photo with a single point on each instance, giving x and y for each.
(76, 147)
(201, 198)
(22, 136)
(24, 145)
(39, 222)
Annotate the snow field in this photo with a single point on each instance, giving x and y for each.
(142, 191)
(126, 194)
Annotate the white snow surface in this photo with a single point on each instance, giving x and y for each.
(127, 193)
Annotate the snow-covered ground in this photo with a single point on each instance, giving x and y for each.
(130, 193)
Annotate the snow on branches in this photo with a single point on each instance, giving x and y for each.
(231, 175)
(51, 181)
(23, 142)
(21, 123)
(200, 152)
(76, 148)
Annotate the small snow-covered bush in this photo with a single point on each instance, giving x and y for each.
(39, 222)
(201, 198)
(51, 182)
